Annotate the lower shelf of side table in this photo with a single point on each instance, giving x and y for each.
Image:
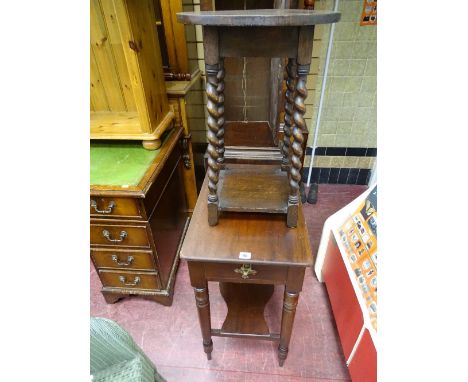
(246, 304)
(253, 188)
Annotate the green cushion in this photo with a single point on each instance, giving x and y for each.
(136, 370)
(115, 356)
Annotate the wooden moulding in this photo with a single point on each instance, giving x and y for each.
(128, 94)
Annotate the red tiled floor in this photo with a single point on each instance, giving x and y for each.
(170, 336)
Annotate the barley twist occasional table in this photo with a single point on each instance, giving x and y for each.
(257, 33)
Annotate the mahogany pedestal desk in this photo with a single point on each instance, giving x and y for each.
(247, 254)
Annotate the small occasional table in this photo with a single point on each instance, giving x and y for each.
(285, 33)
(248, 254)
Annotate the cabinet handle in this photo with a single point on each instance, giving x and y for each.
(108, 210)
(136, 281)
(116, 260)
(246, 270)
(107, 235)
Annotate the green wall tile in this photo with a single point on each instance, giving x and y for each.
(356, 67)
(361, 114)
(350, 99)
(347, 113)
(335, 99)
(342, 49)
(328, 127)
(365, 98)
(367, 33)
(337, 84)
(369, 84)
(326, 140)
(371, 67)
(342, 140)
(345, 31)
(344, 127)
(339, 67)
(361, 49)
(353, 84)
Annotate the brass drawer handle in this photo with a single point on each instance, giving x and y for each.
(107, 235)
(116, 260)
(245, 271)
(108, 210)
(136, 281)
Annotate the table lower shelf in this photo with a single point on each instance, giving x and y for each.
(253, 188)
(246, 304)
(268, 337)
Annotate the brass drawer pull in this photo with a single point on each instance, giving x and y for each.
(245, 271)
(123, 280)
(107, 235)
(116, 260)
(108, 210)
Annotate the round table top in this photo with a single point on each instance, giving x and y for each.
(259, 17)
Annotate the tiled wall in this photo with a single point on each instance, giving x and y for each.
(349, 110)
(349, 114)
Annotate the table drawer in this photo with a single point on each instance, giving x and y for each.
(119, 235)
(123, 259)
(110, 207)
(240, 272)
(129, 280)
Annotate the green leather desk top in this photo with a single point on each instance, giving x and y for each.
(120, 163)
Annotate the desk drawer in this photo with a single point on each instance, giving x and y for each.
(123, 259)
(129, 280)
(119, 235)
(268, 274)
(110, 207)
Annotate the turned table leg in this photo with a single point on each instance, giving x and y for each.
(287, 320)
(202, 300)
(203, 306)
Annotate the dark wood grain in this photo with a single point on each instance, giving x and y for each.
(253, 188)
(251, 134)
(117, 208)
(258, 41)
(259, 17)
(266, 274)
(137, 235)
(266, 236)
(250, 143)
(123, 259)
(246, 303)
(305, 42)
(129, 279)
